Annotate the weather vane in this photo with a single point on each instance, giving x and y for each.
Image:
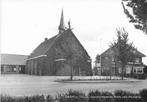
(69, 24)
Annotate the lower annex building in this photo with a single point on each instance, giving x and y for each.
(13, 63)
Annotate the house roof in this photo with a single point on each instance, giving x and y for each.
(138, 53)
(13, 59)
(46, 45)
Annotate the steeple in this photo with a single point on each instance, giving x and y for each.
(61, 27)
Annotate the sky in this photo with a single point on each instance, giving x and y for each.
(25, 24)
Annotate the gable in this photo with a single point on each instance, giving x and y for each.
(66, 37)
(80, 45)
(69, 44)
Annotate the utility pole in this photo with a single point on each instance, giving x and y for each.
(100, 57)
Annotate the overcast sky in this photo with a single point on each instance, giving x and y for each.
(25, 24)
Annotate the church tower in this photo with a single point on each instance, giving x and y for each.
(61, 27)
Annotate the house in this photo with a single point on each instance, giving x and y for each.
(62, 54)
(97, 66)
(111, 66)
(13, 64)
(145, 71)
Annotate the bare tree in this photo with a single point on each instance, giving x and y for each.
(124, 48)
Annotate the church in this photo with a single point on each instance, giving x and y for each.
(61, 55)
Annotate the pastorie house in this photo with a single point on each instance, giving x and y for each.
(109, 65)
(62, 54)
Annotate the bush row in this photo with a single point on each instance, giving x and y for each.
(78, 96)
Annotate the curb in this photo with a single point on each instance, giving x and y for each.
(116, 81)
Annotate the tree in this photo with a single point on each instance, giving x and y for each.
(138, 16)
(124, 49)
(69, 58)
(97, 61)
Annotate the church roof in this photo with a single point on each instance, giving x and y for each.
(43, 47)
(46, 45)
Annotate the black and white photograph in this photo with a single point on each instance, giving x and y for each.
(73, 51)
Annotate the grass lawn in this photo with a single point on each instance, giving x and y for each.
(26, 85)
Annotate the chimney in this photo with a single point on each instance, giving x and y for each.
(46, 39)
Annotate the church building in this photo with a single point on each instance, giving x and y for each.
(61, 55)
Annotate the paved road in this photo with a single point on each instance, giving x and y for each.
(25, 85)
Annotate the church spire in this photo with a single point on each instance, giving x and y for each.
(61, 27)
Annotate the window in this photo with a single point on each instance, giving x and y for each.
(2, 68)
(113, 59)
(14, 69)
(106, 57)
(137, 60)
(139, 71)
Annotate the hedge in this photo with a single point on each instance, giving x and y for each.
(78, 96)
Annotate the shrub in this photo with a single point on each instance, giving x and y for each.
(77, 96)
(49, 98)
(107, 97)
(6, 99)
(93, 96)
(36, 98)
(12, 99)
(72, 96)
(143, 94)
(125, 96)
(96, 96)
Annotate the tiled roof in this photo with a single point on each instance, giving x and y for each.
(138, 53)
(47, 44)
(43, 47)
(13, 59)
